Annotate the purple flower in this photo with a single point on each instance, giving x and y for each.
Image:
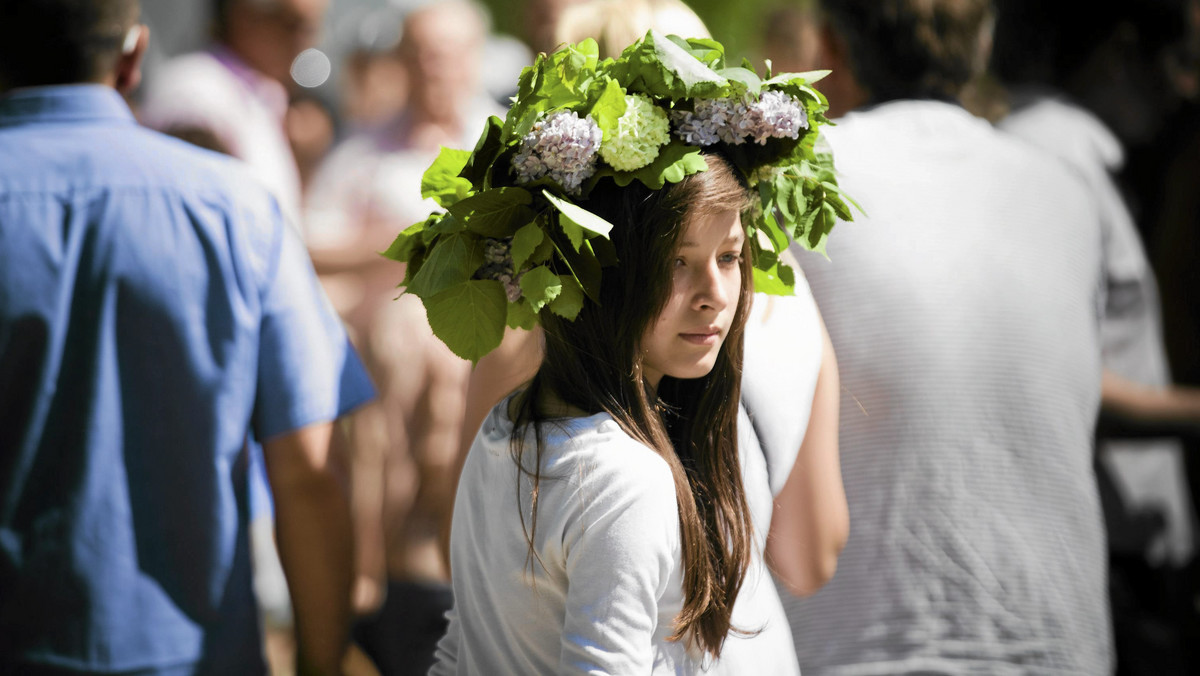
(562, 146)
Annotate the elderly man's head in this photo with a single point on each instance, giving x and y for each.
(49, 42)
(441, 46)
(269, 34)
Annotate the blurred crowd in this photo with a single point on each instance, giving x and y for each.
(1110, 89)
(1113, 92)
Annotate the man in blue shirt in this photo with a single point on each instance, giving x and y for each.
(155, 312)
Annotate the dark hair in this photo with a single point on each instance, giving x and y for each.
(51, 42)
(1041, 42)
(594, 363)
(911, 48)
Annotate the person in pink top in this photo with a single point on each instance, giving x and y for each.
(231, 97)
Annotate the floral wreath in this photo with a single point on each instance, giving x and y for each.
(513, 243)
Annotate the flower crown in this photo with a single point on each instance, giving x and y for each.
(513, 243)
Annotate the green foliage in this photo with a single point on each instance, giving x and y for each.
(498, 212)
(441, 180)
(499, 226)
(483, 302)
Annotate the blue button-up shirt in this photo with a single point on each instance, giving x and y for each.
(155, 311)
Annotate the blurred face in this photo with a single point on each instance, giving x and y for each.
(706, 287)
(270, 34)
(441, 50)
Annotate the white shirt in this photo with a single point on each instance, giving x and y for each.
(964, 307)
(605, 586)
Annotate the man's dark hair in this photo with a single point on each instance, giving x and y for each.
(911, 48)
(49, 42)
(1046, 42)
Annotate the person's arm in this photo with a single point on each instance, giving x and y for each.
(497, 373)
(811, 520)
(313, 531)
(1130, 409)
(620, 545)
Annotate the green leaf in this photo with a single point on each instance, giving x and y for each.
(779, 280)
(441, 224)
(743, 76)
(807, 78)
(609, 108)
(525, 242)
(498, 212)
(540, 286)
(520, 316)
(579, 216)
(675, 161)
(570, 301)
(407, 242)
(662, 68)
(584, 266)
(572, 230)
(487, 149)
(452, 261)
(469, 317)
(441, 180)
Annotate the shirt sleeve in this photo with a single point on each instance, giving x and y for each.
(307, 370)
(620, 551)
(779, 380)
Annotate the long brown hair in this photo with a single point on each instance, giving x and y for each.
(595, 364)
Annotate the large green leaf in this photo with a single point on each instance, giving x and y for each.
(540, 286)
(452, 261)
(469, 317)
(525, 242)
(579, 216)
(498, 212)
(441, 180)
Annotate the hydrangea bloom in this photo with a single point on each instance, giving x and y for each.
(640, 132)
(562, 146)
(772, 115)
(498, 265)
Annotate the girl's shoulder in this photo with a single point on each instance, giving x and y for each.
(587, 450)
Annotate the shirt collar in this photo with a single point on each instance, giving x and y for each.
(64, 103)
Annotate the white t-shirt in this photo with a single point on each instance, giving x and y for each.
(602, 595)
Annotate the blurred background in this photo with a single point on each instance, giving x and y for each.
(357, 114)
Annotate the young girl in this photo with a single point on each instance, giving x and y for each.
(602, 523)
(619, 539)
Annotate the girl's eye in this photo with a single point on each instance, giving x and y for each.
(730, 258)
(678, 263)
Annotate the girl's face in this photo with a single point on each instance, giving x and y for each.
(706, 286)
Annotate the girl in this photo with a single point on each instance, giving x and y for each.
(618, 539)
